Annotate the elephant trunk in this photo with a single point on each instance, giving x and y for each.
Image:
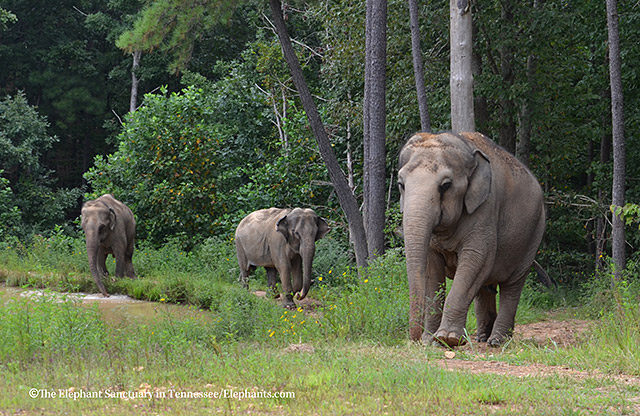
(93, 243)
(420, 217)
(307, 252)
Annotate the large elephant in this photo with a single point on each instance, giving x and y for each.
(110, 228)
(282, 241)
(474, 213)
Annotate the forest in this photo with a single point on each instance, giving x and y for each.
(187, 111)
(218, 129)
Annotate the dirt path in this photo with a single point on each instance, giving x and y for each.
(552, 333)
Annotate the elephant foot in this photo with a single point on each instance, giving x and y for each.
(497, 340)
(291, 306)
(288, 303)
(482, 337)
(449, 338)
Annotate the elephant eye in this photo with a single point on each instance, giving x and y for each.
(444, 186)
(401, 186)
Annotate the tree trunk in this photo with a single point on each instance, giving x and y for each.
(619, 153)
(133, 103)
(375, 163)
(418, 67)
(507, 130)
(480, 106)
(523, 147)
(461, 78)
(345, 196)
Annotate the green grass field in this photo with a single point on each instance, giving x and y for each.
(347, 352)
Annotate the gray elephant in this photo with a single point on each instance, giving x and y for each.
(474, 213)
(110, 228)
(282, 241)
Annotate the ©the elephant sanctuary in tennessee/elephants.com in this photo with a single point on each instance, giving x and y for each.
(283, 242)
(474, 213)
(110, 228)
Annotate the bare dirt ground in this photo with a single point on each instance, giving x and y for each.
(552, 333)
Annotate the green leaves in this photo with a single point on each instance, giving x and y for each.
(173, 26)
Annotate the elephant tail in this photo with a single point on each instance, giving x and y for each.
(543, 276)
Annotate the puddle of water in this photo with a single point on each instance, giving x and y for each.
(116, 309)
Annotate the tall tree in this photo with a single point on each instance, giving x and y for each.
(507, 130)
(345, 195)
(461, 76)
(375, 117)
(619, 151)
(418, 66)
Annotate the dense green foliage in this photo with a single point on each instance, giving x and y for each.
(29, 200)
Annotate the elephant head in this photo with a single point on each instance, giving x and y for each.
(441, 178)
(302, 228)
(98, 221)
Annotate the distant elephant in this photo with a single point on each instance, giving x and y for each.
(474, 213)
(110, 228)
(282, 241)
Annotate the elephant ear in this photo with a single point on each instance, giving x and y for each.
(479, 182)
(282, 226)
(323, 228)
(112, 219)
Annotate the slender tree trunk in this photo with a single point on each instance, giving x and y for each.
(619, 153)
(375, 163)
(366, 135)
(345, 196)
(480, 107)
(461, 78)
(133, 103)
(507, 130)
(418, 67)
(523, 147)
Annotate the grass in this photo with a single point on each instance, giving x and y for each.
(351, 356)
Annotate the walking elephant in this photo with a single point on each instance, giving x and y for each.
(474, 213)
(110, 228)
(282, 241)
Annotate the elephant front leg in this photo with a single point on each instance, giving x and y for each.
(435, 293)
(473, 270)
(485, 307)
(287, 291)
(101, 261)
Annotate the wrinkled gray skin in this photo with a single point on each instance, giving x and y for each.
(474, 213)
(282, 241)
(109, 228)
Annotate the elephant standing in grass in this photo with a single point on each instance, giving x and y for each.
(110, 228)
(474, 213)
(282, 241)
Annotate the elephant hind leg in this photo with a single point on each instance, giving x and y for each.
(128, 262)
(272, 280)
(509, 297)
(485, 307)
(244, 275)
